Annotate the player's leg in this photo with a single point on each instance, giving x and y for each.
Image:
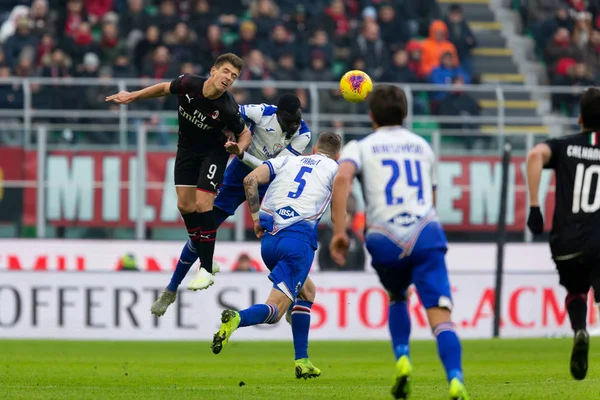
(204, 235)
(595, 280)
(298, 316)
(430, 277)
(290, 261)
(396, 279)
(267, 313)
(186, 176)
(395, 275)
(575, 276)
(307, 293)
(229, 196)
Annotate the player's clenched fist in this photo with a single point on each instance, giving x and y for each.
(123, 97)
(258, 230)
(339, 248)
(233, 148)
(535, 222)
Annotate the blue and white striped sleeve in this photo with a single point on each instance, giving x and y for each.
(252, 113)
(275, 164)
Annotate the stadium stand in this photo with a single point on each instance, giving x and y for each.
(314, 40)
(447, 43)
(567, 38)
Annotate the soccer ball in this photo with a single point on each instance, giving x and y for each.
(355, 86)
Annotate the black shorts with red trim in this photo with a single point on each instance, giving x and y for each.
(578, 272)
(202, 170)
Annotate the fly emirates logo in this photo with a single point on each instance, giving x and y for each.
(197, 118)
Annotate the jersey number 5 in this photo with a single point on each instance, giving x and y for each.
(583, 189)
(412, 181)
(301, 182)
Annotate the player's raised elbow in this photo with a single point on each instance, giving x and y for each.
(250, 180)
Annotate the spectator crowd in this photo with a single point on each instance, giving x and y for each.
(401, 41)
(567, 39)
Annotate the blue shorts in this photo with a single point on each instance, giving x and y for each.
(232, 194)
(289, 261)
(424, 266)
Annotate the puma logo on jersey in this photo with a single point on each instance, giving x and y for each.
(205, 236)
(189, 98)
(270, 129)
(214, 184)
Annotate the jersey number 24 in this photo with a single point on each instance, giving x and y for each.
(411, 179)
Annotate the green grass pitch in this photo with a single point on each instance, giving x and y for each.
(494, 369)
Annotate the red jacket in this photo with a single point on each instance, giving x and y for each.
(98, 7)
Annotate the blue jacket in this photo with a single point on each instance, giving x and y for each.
(445, 76)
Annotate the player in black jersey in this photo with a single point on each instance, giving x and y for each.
(206, 110)
(575, 235)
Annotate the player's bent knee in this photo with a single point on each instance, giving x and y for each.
(204, 201)
(186, 207)
(438, 315)
(308, 291)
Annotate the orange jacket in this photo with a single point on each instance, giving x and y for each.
(433, 50)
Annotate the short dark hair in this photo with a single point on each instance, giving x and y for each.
(387, 104)
(589, 108)
(330, 143)
(289, 103)
(230, 58)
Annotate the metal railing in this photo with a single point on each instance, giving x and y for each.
(36, 127)
(34, 113)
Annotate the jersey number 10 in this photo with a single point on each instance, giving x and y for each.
(583, 188)
(411, 181)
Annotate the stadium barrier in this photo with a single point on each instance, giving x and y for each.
(352, 306)
(64, 255)
(70, 290)
(104, 189)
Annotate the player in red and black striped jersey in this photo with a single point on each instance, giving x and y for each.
(206, 110)
(575, 233)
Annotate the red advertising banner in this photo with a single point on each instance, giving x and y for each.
(98, 189)
(11, 169)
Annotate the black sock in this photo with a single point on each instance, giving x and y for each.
(576, 304)
(205, 242)
(193, 223)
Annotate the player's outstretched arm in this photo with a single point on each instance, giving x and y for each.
(158, 90)
(242, 143)
(539, 156)
(250, 160)
(342, 185)
(259, 176)
(536, 159)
